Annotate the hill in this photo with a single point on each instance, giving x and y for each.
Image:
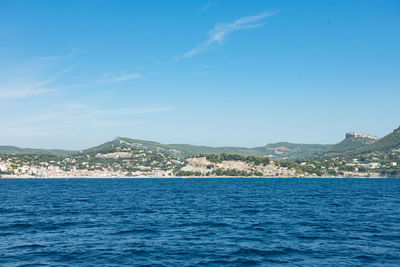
(284, 150)
(352, 142)
(385, 144)
(18, 150)
(358, 155)
(185, 150)
(119, 143)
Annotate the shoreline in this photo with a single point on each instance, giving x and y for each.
(10, 177)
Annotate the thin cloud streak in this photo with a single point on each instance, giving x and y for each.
(21, 90)
(123, 78)
(218, 34)
(67, 118)
(22, 93)
(107, 79)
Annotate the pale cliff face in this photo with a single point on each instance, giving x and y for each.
(205, 166)
(355, 134)
(114, 155)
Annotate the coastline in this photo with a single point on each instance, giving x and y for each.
(12, 177)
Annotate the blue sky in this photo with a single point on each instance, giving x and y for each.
(74, 74)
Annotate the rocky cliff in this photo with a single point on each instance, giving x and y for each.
(360, 135)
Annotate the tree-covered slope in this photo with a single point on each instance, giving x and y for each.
(190, 150)
(18, 150)
(348, 144)
(291, 150)
(281, 150)
(385, 144)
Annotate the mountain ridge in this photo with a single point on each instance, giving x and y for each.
(356, 156)
(354, 142)
(20, 150)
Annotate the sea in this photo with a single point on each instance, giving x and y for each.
(200, 222)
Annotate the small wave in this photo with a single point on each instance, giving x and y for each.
(240, 262)
(57, 226)
(309, 237)
(250, 211)
(6, 233)
(203, 224)
(81, 199)
(364, 258)
(258, 252)
(132, 231)
(148, 211)
(136, 251)
(29, 246)
(19, 226)
(2, 210)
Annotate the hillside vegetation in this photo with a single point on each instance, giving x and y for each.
(359, 155)
(285, 150)
(385, 144)
(18, 150)
(186, 150)
(348, 144)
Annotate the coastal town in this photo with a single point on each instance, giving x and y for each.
(358, 155)
(101, 165)
(150, 164)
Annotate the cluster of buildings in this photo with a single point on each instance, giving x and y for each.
(51, 170)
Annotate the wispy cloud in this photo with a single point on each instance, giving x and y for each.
(21, 89)
(69, 117)
(21, 93)
(218, 34)
(206, 6)
(122, 78)
(106, 78)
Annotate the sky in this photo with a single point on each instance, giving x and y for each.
(75, 74)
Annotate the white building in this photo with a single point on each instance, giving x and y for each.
(374, 165)
(5, 166)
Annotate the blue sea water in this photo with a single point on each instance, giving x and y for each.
(195, 222)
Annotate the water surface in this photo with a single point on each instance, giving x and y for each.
(186, 222)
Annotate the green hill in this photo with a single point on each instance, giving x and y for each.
(189, 150)
(277, 150)
(18, 150)
(347, 145)
(350, 143)
(354, 142)
(385, 144)
(291, 150)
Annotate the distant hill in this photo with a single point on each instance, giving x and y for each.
(120, 143)
(277, 150)
(385, 144)
(18, 150)
(186, 150)
(352, 142)
(291, 150)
